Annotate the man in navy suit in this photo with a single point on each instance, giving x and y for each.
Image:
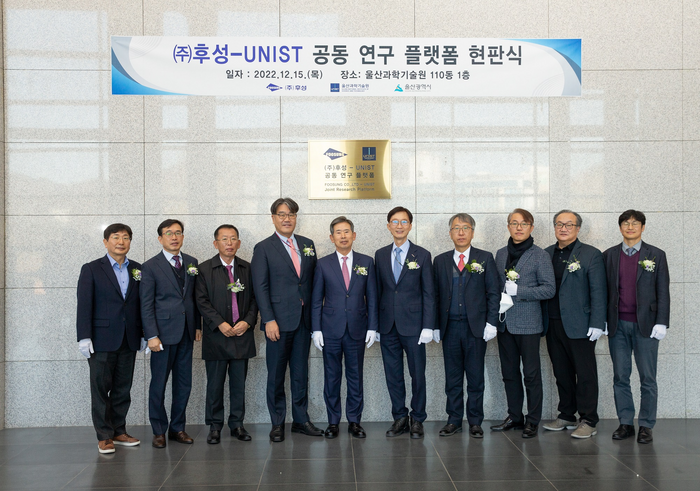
(171, 323)
(344, 318)
(283, 272)
(109, 334)
(467, 296)
(406, 320)
(639, 305)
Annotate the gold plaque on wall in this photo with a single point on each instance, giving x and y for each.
(350, 169)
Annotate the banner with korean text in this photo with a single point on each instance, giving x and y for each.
(399, 67)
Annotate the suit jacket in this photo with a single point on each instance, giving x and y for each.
(214, 303)
(334, 308)
(166, 309)
(653, 297)
(481, 291)
(582, 294)
(279, 292)
(410, 303)
(536, 283)
(103, 314)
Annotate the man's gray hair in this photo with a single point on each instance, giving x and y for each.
(579, 220)
(341, 219)
(463, 217)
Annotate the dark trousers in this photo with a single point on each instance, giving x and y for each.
(354, 352)
(576, 371)
(216, 378)
(628, 339)
(292, 348)
(175, 358)
(463, 353)
(111, 374)
(512, 348)
(393, 347)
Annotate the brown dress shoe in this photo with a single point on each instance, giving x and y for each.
(159, 441)
(180, 437)
(125, 440)
(105, 446)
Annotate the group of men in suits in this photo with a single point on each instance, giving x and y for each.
(347, 301)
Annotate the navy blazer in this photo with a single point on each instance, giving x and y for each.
(582, 294)
(334, 308)
(482, 291)
(653, 296)
(410, 303)
(103, 314)
(279, 292)
(165, 308)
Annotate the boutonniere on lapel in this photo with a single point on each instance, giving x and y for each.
(412, 264)
(573, 266)
(136, 274)
(648, 264)
(236, 287)
(192, 270)
(474, 267)
(308, 250)
(360, 270)
(512, 275)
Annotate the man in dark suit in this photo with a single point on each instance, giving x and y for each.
(467, 298)
(574, 320)
(343, 318)
(171, 323)
(406, 320)
(639, 305)
(109, 334)
(225, 299)
(283, 273)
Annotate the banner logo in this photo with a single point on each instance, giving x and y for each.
(334, 154)
(273, 87)
(335, 87)
(369, 153)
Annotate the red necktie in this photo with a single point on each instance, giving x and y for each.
(177, 262)
(234, 299)
(346, 273)
(295, 257)
(460, 265)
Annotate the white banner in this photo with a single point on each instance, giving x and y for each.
(397, 67)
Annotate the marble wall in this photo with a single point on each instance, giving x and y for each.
(78, 159)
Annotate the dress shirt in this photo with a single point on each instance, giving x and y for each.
(559, 263)
(170, 257)
(637, 247)
(349, 261)
(466, 256)
(233, 263)
(404, 253)
(286, 245)
(122, 273)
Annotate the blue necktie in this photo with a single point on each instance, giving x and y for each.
(398, 265)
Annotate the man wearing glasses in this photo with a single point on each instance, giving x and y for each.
(638, 314)
(283, 274)
(406, 320)
(171, 323)
(574, 320)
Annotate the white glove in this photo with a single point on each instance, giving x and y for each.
(371, 337)
(594, 333)
(144, 347)
(85, 347)
(436, 335)
(511, 288)
(659, 332)
(489, 332)
(318, 340)
(606, 329)
(426, 336)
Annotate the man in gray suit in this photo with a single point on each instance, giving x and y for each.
(574, 321)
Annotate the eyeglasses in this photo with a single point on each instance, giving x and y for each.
(118, 237)
(176, 234)
(226, 240)
(567, 226)
(284, 216)
(519, 224)
(631, 224)
(395, 223)
(464, 229)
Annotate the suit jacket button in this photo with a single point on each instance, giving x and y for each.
(183, 313)
(347, 296)
(299, 284)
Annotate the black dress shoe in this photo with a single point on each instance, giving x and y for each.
(508, 424)
(623, 432)
(416, 429)
(331, 432)
(277, 433)
(449, 429)
(399, 427)
(475, 431)
(307, 428)
(530, 430)
(644, 435)
(356, 430)
(214, 437)
(241, 434)
(158, 441)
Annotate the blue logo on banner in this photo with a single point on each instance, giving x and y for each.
(334, 154)
(335, 87)
(398, 88)
(273, 87)
(369, 153)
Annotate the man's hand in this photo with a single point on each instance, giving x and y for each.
(226, 329)
(272, 331)
(490, 332)
(594, 333)
(317, 336)
(511, 288)
(658, 332)
(198, 335)
(370, 338)
(436, 335)
(426, 336)
(85, 347)
(240, 328)
(144, 347)
(155, 345)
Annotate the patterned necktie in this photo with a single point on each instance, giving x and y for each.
(295, 257)
(461, 262)
(234, 299)
(397, 265)
(177, 262)
(631, 251)
(346, 273)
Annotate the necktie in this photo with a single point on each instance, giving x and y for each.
(295, 257)
(346, 273)
(234, 299)
(177, 262)
(631, 251)
(397, 265)
(461, 262)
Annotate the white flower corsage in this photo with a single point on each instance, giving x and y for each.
(648, 265)
(412, 264)
(236, 287)
(136, 274)
(573, 266)
(192, 270)
(361, 270)
(308, 250)
(474, 267)
(512, 274)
